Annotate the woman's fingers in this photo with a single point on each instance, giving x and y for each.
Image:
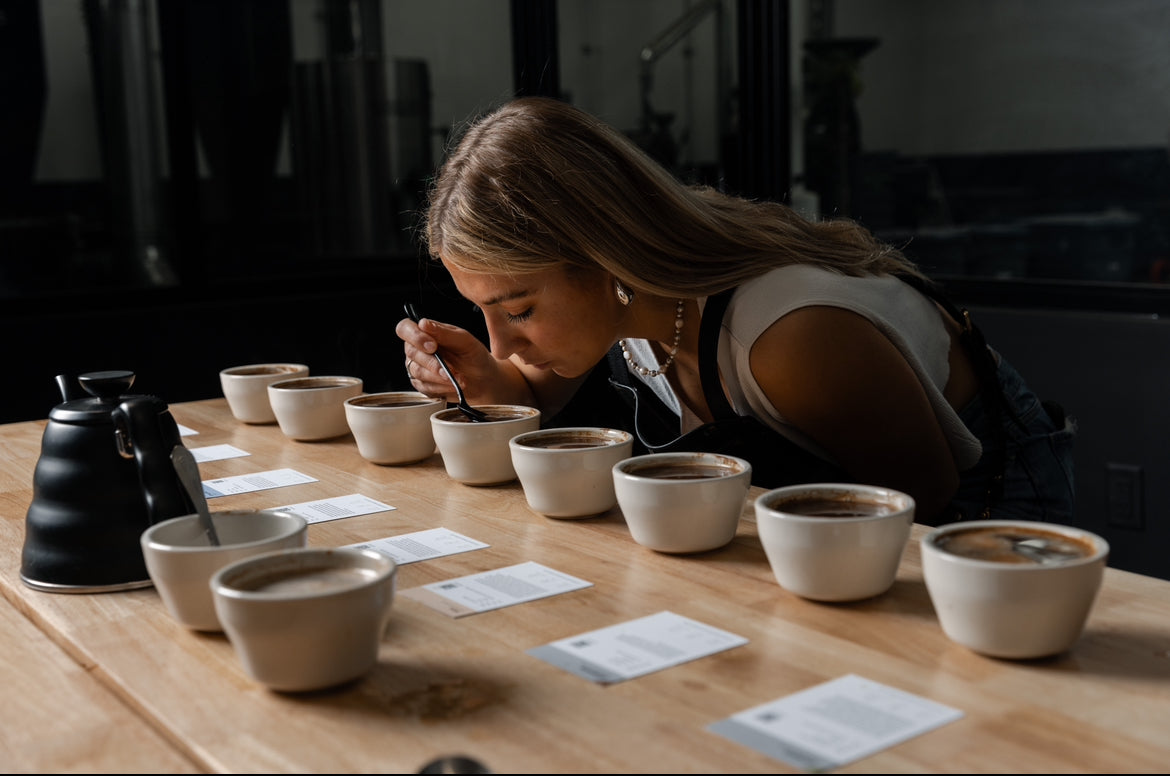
(422, 368)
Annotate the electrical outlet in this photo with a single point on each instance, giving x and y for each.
(1124, 493)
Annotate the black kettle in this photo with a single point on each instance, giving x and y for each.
(104, 476)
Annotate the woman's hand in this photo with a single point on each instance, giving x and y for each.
(485, 379)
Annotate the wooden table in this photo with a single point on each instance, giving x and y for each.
(121, 687)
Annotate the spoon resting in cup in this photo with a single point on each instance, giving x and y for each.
(476, 416)
(188, 470)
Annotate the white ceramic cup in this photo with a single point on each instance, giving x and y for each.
(309, 618)
(1013, 588)
(309, 409)
(478, 453)
(393, 427)
(682, 502)
(834, 541)
(246, 388)
(181, 560)
(568, 472)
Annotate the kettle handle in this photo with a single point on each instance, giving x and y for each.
(146, 430)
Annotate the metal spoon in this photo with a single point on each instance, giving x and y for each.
(476, 416)
(455, 764)
(188, 471)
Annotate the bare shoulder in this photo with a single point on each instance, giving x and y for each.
(817, 350)
(839, 379)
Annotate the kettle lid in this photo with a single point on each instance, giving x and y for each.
(105, 391)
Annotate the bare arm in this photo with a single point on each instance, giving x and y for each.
(834, 376)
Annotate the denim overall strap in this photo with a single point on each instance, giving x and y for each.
(986, 371)
(709, 354)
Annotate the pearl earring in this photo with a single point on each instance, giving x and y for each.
(624, 295)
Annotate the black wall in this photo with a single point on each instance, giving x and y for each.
(1111, 371)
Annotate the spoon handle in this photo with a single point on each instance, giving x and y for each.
(188, 470)
(476, 416)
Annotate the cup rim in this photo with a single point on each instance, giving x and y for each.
(615, 437)
(223, 581)
(334, 382)
(523, 413)
(237, 371)
(928, 545)
(766, 510)
(621, 468)
(420, 400)
(295, 524)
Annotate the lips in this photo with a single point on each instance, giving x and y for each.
(536, 365)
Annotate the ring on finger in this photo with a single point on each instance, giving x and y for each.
(409, 364)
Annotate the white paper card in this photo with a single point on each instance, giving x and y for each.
(185, 431)
(834, 723)
(248, 483)
(496, 589)
(336, 508)
(217, 453)
(637, 647)
(422, 545)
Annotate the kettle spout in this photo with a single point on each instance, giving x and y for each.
(67, 389)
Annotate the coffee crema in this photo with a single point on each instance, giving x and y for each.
(682, 471)
(311, 581)
(568, 441)
(389, 401)
(457, 416)
(311, 383)
(261, 370)
(1014, 544)
(827, 506)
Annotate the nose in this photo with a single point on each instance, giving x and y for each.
(502, 343)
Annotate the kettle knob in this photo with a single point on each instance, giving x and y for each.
(108, 385)
(104, 385)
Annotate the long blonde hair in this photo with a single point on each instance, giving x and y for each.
(538, 183)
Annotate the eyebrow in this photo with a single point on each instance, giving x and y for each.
(505, 297)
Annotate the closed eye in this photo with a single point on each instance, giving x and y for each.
(519, 317)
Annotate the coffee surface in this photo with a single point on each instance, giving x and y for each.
(310, 383)
(1006, 544)
(823, 506)
(262, 370)
(682, 471)
(389, 401)
(457, 416)
(568, 441)
(312, 580)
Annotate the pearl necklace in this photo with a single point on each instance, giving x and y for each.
(678, 325)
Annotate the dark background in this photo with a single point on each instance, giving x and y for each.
(245, 267)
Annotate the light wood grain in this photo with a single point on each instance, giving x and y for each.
(57, 718)
(445, 686)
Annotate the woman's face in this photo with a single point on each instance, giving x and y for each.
(554, 319)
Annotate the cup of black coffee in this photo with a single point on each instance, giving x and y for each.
(567, 472)
(682, 502)
(1013, 588)
(477, 453)
(393, 427)
(834, 541)
(246, 388)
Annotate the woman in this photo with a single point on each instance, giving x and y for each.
(573, 242)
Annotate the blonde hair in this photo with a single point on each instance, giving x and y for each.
(538, 184)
